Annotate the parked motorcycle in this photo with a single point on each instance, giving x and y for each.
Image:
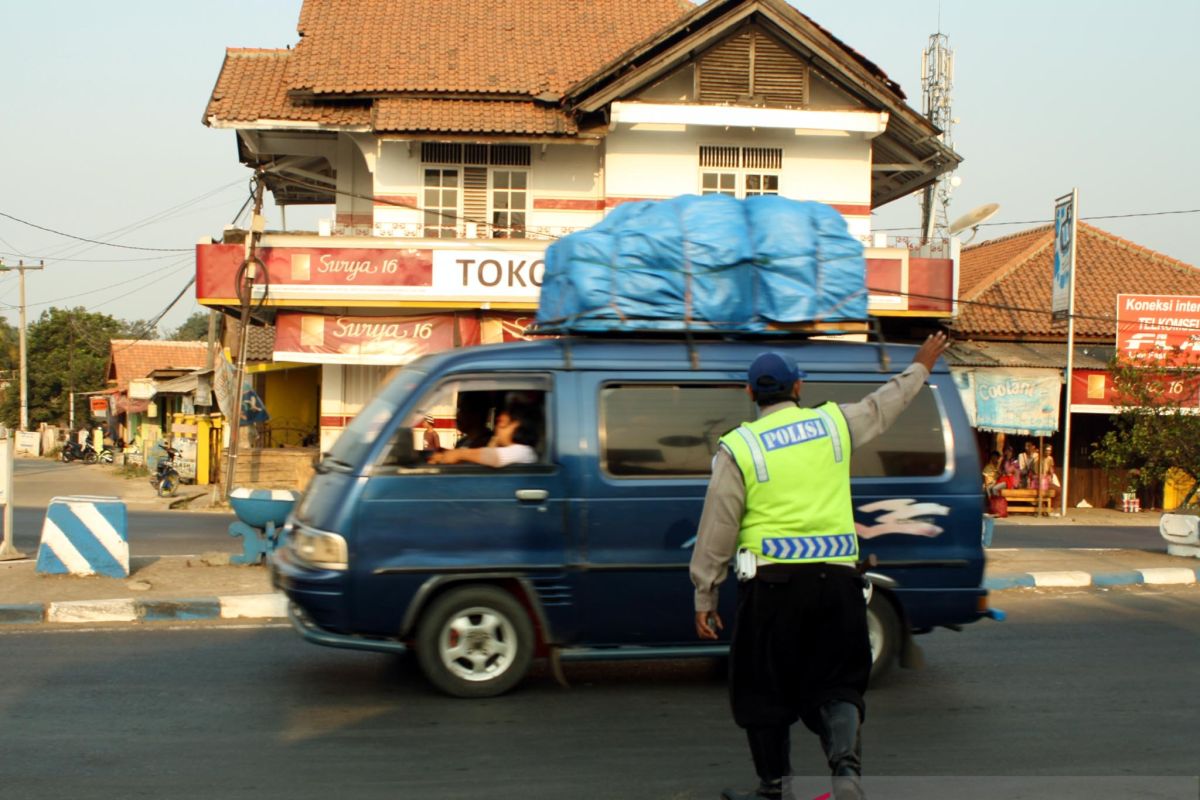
(166, 478)
(106, 455)
(74, 451)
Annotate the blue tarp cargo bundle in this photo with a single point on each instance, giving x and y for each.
(710, 263)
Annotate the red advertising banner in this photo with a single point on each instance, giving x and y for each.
(1161, 329)
(327, 339)
(217, 266)
(1092, 391)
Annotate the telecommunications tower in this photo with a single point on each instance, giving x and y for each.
(937, 82)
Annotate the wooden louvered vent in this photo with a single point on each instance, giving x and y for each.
(752, 68)
(475, 198)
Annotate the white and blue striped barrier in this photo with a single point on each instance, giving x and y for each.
(85, 535)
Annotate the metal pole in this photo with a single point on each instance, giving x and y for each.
(24, 375)
(71, 413)
(244, 334)
(1066, 478)
(7, 551)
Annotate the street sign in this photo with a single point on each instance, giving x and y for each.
(1064, 256)
(99, 406)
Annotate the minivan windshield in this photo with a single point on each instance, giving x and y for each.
(356, 440)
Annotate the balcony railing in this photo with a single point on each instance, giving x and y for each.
(465, 230)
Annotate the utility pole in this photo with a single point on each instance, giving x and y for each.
(246, 276)
(21, 268)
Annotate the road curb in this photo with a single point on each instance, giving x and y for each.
(1150, 576)
(74, 612)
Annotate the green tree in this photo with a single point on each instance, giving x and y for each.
(67, 351)
(140, 329)
(193, 329)
(1156, 427)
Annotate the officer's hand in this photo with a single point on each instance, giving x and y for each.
(708, 623)
(931, 350)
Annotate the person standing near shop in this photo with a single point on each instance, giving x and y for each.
(779, 494)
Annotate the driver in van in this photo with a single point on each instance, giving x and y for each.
(779, 499)
(513, 442)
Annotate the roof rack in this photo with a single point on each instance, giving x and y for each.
(671, 330)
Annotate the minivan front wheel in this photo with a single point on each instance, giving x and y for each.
(476, 641)
(883, 629)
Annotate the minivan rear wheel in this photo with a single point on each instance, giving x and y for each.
(476, 641)
(883, 629)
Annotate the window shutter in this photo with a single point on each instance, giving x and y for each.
(780, 78)
(441, 153)
(752, 67)
(475, 198)
(724, 71)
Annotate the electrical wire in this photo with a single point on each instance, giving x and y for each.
(53, 260)
(179, 263)
(93, 241)
(980, 303)
(1049, 221)
(152, 324)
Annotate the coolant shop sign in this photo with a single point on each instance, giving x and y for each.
(1022, 401)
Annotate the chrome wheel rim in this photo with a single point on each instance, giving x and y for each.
(875, 634)
(477, 644)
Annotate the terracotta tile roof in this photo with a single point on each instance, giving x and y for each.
(1014, 272)
(130, 359)
(525, 47)
(469, 116)
(251, 87)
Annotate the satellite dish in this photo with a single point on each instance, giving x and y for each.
(973, 219)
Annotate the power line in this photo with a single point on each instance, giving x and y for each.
(1083, 219)
(53, 259)
(153, 323)
(94, 241)
(177, 263)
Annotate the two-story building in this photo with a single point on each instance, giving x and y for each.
(455, 140)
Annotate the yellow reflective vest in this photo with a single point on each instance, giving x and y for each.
(796, 467)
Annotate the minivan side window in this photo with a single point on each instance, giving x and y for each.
(915, 445)
(667, 430)
(466, 414)
(672, 430)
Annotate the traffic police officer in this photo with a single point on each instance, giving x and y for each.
(780, 498)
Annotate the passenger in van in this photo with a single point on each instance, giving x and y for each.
(471, 421)
(779, 501)
(514, 442)
(430, 439)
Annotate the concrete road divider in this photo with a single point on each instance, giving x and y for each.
(85, 535)
(245, 606)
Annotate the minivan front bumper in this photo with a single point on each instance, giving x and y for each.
(318, 635)
(321, 593)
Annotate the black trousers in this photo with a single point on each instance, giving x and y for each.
(800, 641)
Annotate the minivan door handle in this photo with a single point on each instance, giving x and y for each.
(532, 495)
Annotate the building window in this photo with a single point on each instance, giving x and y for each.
(740, 171)
(508, 203)
(493, 200)
(441, 202)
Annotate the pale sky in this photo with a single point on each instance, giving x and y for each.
(102, 135)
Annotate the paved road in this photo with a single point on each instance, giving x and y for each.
(1073, 684)
(152, 532)
(1056, 536)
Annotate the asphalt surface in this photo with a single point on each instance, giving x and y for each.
(1070, 536)
(1095, 683)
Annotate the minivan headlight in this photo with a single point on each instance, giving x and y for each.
(318, 548)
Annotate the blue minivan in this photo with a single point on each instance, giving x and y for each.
(584, 553)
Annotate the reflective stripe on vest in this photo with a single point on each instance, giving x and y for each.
(796, 469)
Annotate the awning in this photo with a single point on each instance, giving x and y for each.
(1011, 400)
(127, 406)
(1041, 355)
(184, 384)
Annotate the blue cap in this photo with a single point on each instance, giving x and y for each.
(773, 372)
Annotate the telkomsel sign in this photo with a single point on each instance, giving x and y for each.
(1160, 330)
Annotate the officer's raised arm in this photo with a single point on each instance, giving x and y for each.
(876, 412)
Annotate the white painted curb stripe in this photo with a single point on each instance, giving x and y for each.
(1065, 578)
(102, 529)
(254, 605)
(1168, 575)
(92, 611)
(57, 542)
